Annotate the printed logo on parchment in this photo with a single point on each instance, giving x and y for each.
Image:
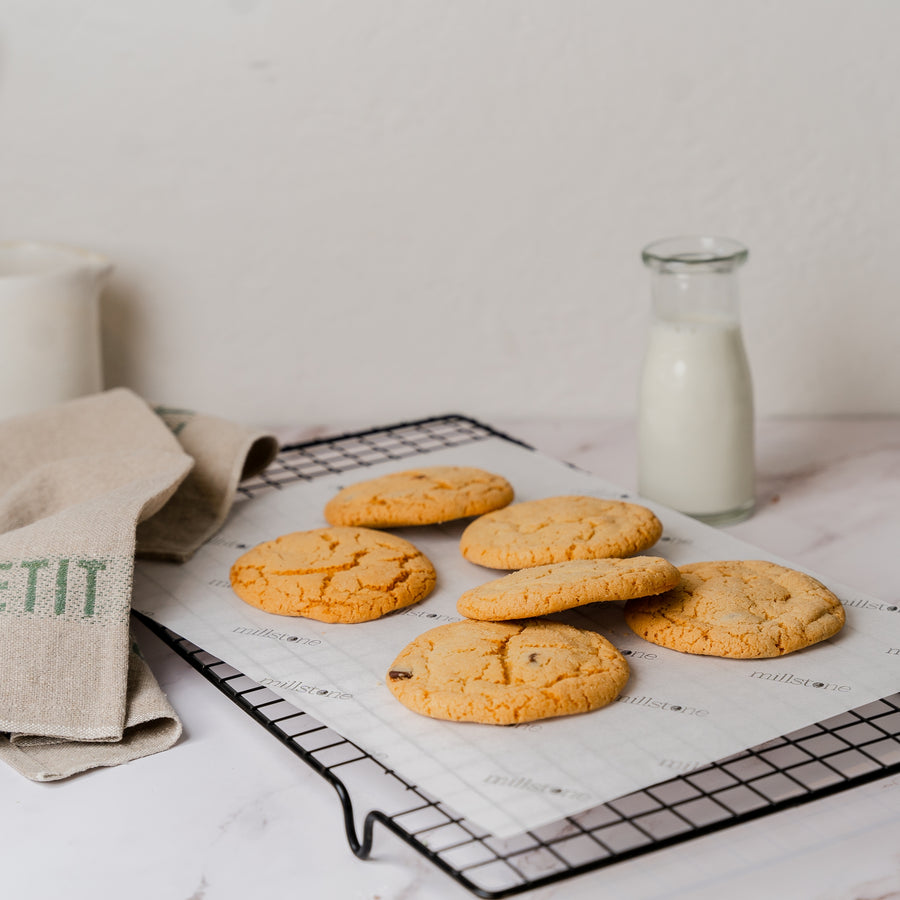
(681, 765)
(433, 616)
(302, 687)
(872, 604)
(656, 703)
(800, 681)
(522, 783)
(639, 654)
(276, 635)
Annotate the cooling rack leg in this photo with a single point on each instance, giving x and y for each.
(361, 849)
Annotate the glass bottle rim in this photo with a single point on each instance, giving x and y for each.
(694, 253)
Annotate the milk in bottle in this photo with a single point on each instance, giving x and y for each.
(695, 423)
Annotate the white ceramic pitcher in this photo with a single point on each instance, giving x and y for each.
(49, 324)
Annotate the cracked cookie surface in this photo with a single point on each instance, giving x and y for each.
(424, 496)
(541, 590)
(554, 529)
(504, 673)
(333, 575)
(742, 609)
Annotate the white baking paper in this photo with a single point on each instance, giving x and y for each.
(676, 713)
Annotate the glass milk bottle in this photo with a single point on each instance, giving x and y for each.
(695, 421)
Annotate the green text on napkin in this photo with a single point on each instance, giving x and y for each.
(75, 482)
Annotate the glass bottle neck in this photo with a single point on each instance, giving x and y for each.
(699, 297)
(694, 278)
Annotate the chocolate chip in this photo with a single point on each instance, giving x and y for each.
(532, 657)
(399, 674)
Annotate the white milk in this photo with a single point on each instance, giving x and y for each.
(695, 434)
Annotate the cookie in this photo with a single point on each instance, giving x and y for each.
(540, 532)
(541, 590)
(743, 609)
(503, 673)
(424, 496)
(333, 575)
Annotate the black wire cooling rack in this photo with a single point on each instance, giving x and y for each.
(844, 751)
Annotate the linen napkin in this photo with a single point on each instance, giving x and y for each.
(224, 454)
(75, 482)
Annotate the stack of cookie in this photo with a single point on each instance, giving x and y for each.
(505, 663)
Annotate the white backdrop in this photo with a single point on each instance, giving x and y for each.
(378, 209)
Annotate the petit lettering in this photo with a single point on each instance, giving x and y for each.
(71, 583)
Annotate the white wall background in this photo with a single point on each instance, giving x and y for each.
(365, 210)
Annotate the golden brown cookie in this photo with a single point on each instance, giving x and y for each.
(423, 496)
(333, 574)
(540, 532)
(502, 673)
(744, 609)
(541, 590)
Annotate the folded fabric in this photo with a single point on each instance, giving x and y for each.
(224, 454)
(75, 482)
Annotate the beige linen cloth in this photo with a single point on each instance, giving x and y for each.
(82, 487)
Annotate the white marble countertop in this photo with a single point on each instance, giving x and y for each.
(230, 813)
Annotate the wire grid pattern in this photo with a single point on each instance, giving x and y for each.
(841, 752)
(304, 462)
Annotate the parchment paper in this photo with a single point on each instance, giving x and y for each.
(676, 713)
